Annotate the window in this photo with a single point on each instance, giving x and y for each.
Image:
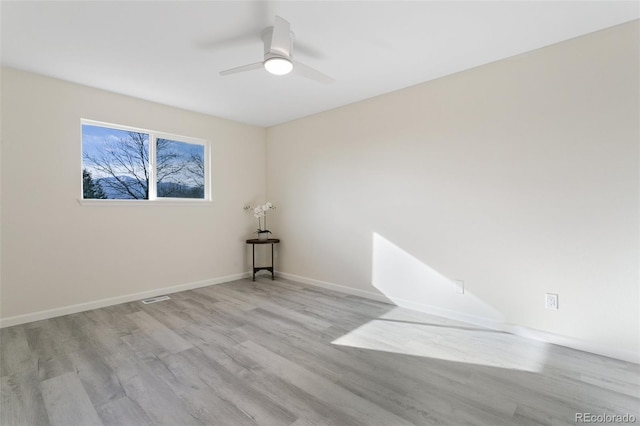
(125, 163)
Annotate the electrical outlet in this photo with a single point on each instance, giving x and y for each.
(551, 301)
(459, 286)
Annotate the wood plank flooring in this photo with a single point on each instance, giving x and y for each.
(280, 353)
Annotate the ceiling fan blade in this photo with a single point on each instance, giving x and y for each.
(241, 40)
(253, 19)
(281, 37)
(243, 68)
(307, 50)
(313, 74)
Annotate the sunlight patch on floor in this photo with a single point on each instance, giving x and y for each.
(411, 333)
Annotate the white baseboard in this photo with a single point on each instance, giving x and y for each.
(409, 304)
(72, 309)
(342, 289)
(573, 343)
(543, 336)
(566, 341)
(450, 314)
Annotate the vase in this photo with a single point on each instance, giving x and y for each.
(263, 236)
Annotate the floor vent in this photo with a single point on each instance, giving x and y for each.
(155, 299)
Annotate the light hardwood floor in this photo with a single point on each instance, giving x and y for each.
(279, 353)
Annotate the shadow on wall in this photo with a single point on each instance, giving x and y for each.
(410, 283)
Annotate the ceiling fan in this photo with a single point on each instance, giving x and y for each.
(278, 57)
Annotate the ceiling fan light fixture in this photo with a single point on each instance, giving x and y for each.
(278, 66)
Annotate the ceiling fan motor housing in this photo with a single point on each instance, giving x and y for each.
(278, 56)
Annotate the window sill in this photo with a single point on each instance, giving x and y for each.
(167, 202)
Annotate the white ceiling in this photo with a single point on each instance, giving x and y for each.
(172, 52)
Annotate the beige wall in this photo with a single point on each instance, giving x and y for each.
(57, 253)
(520, 177)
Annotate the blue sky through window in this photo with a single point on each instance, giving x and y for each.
(94, 138)
(116, 162)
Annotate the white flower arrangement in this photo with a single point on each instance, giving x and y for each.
(260, 213)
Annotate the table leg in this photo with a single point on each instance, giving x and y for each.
(253, 250)
(273, 276)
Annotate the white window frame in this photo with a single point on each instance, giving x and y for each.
(153, 196)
